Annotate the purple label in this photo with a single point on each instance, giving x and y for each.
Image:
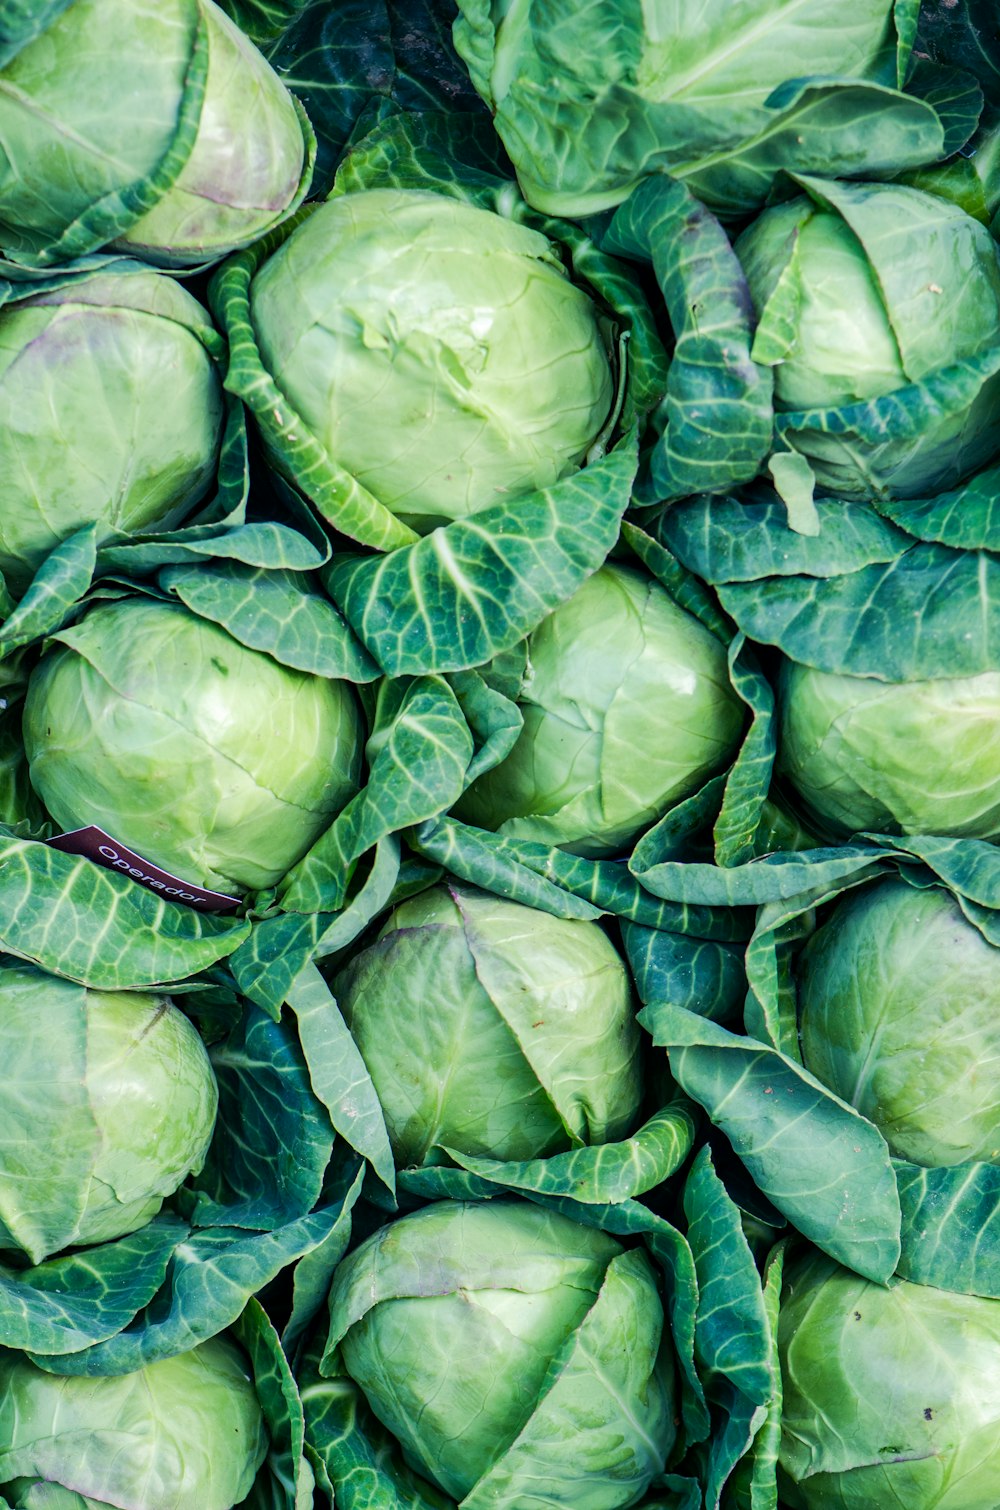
(94, 844)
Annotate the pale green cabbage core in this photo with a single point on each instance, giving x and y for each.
(212, 760)
(843, 347)
(914, 757)
(890, 1396)
(182, 1433)
(493, 1029)
(627, 708)
(108, 1104)
(514, 1354)
(67, 95)
(246, 164)
(865, 291)
(876, 289)
(899, 1000)
(91, 106)
(437, 351)
(110, 413)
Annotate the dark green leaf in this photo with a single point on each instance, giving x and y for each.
(955, 98)
(933, 612)
(419, 755)
(312, 1274)
(273, 1137)
(56, 588)
(209, 1281)
(833, 128)
(267, 965)
(289, 1481)
(742, 540)
(340, 59)
(749, 780)
(741, 1420)
(771, 878)
(76, 919)
(477, 586)
(971, 867)
(683, 833)
(263, 544)
(338, 1073)
(72, 1302)
(967, 518)
(355, 1457)
(698, 974)
(273, 611)
(604, 1174)
(494, 720)
(963, 33)
(684, 587)
(772, 1006)
(821, 1164)
(951, 1227)
(478, 857)
(732, 1335)
(263, 20)
(23, 20)
(716, 418)
(753, 1485)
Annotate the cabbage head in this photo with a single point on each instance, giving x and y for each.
(627, 708)
(438, 352)
(916, 757)
(899, 1003)
(493, 1028)
(107, 1104)
(589, 99)
(517, 1357)
(867, 290)
(207, 758)
(181, 1433)
(891, 1395)
(110, 411)
(112, 133)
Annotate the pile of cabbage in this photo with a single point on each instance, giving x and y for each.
(499, 755)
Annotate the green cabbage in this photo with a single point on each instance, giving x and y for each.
(107, 1105)
(209, 759)
(181, 1433)
(915, 757)
(590, 99)
(492, 1028)
(108, 137)
(110, 411)
(438, 351)
(627, 708)
(891, 1396)
(867, 290)
(514, 1354)
(899, 1001)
